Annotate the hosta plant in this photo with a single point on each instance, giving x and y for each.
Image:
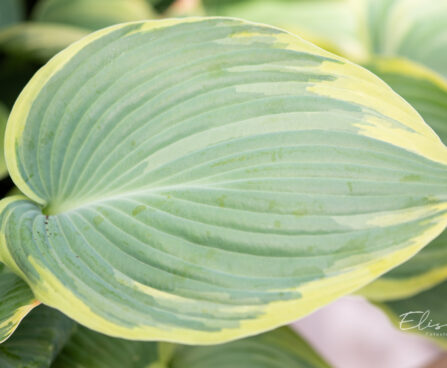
(202, 180)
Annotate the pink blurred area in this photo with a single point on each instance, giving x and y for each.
(351, 333)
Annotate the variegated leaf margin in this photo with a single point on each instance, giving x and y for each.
(16, 301)
(426, 91)
(205, 179)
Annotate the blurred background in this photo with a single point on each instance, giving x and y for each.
(350, 333)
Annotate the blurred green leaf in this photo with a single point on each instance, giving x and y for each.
(37, 341)
(279, 348)
(92, 15)
(3, 120)
(413, 29)
(424, 313)
(11, 11)
(38, 41)
(89, 349)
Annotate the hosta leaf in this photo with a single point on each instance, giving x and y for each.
(200, 180)
(3, 119)
(11, 11)
(37, 341)
(423, 313)
(373, 23)
(329, 23)
(278, 348)
(413, 29)
(89, 349)
(38, 41)
(91, 15)
(16, 301)
(427, 92)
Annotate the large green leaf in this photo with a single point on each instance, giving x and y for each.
(91, 14)
(423, 313)
(89, 349)
(281, 348)
(37, 341)
(201, 180)
(329, 23)
(411, 28)
(38, 41)
(426, 91)
(16, 301)
(11, 11)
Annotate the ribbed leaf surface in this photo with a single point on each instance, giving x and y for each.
(201, 180)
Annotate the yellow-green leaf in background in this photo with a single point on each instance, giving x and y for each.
(205, 179)
(90, 14)
(281, 348)
(16, 301)
(424, 313)
(37, 341)
(426, 91)
(38, 41)
(413, 29)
